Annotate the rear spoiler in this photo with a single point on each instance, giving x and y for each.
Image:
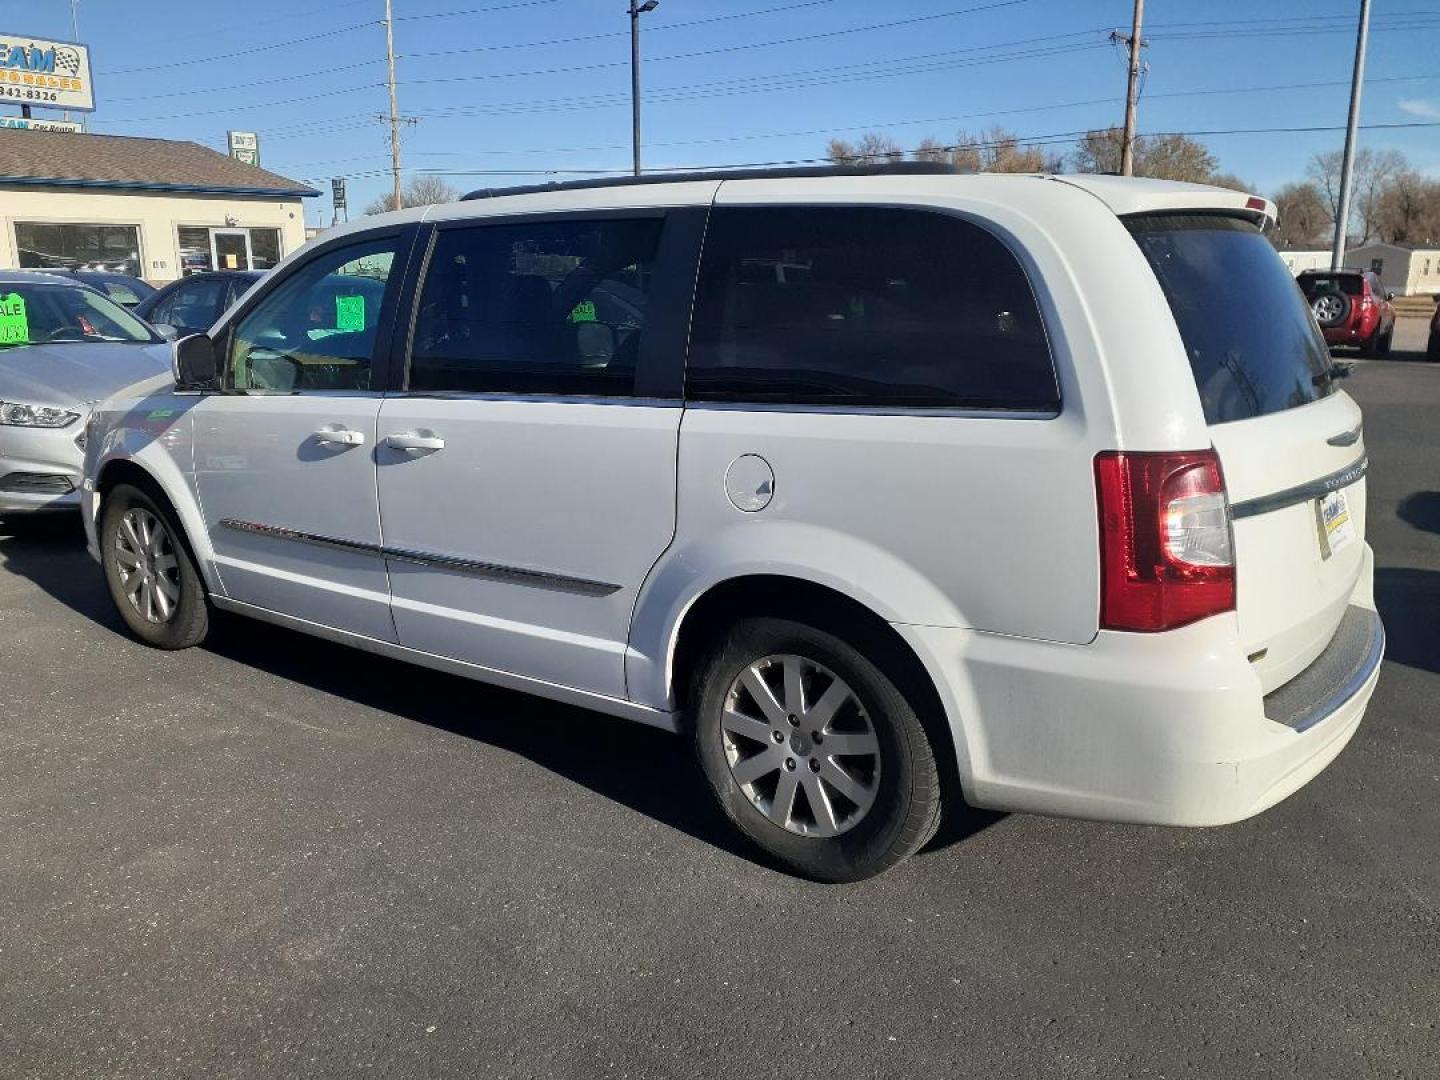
(1127, 195)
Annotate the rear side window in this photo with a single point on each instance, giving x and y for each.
(1253, 344)
(865, 306)
(1349, 284)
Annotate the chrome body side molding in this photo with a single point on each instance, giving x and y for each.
(540, 579)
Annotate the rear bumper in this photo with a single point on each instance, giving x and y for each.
(1165, 729)
(1340, 335)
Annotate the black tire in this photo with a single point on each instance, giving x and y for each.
(1370, 347)
(1382, 347)
(907, 797)
(188, 620)
(1432, 350)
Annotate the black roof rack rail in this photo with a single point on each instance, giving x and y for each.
(895, 168)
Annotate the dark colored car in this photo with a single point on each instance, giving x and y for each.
(1352, 308)
(192, 304)
(125, 290)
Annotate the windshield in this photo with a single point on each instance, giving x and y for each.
(1253, 344)
(36, 314)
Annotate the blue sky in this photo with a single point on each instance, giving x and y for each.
(525, 86)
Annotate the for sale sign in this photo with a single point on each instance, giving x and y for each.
(46, 73)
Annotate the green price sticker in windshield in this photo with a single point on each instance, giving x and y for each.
(14, 325)
(350, 313)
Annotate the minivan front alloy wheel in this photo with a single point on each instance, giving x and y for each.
(146, 564)
(151, 574)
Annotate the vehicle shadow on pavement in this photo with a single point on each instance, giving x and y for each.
(1408, 600)
(614, 758)
(1421, 509)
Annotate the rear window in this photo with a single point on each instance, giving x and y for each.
(1253, 344)
(1349, 284)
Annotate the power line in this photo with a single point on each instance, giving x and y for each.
(194, 91)
(246, 108)
(754, 44)
(508, 46)
(762, 84)
(1019, 140)
(474, 11)
(288, 43)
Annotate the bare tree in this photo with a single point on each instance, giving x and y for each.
(994, 150)
(1374, 170)
(873, 148)
(422, 191)
(1303, 216)
(930, 150)
(1164, 157)
(1407, 210)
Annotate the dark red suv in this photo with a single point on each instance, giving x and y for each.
(1352, 308)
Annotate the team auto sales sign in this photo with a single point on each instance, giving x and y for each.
(49, 74)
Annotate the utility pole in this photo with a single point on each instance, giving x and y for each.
(1132, 93)
(75, 37)
(394, 106)
(636, 10)
(1347, 166)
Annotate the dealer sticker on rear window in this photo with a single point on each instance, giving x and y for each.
(1337, 527)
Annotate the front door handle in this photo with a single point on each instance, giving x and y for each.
(340, 436)
(414, 443)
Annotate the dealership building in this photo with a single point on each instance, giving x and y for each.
(155, 208)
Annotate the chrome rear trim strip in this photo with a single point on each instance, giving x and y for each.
(1300, 493)
(540, 579)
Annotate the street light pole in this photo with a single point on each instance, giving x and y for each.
(636, 10)
(1347, 166)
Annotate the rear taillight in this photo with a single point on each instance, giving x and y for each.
(1166, 556)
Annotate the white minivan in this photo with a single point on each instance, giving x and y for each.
(894, 488)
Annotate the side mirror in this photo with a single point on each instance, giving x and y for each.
(192, 359)
(166, 331)
(1389, 295)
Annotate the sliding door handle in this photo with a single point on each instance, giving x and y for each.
(414, 443)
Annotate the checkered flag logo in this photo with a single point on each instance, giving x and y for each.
(68, 61)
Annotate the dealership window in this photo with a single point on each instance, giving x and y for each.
(79, 246)
(203, 248)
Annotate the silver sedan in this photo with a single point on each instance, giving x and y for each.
(63, 347)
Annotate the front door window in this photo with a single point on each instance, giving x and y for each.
(317, 331)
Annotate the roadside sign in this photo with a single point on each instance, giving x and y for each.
(245, 146)
(26, 123)
(337, 192)
(45, 73)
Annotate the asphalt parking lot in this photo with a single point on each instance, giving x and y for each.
(276, 857)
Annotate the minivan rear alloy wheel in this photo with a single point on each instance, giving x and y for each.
(813, 752)
(148, 567)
